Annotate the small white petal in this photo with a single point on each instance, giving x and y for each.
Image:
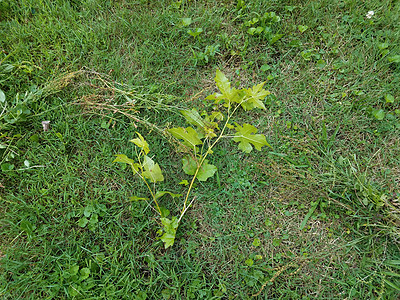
(46, 125)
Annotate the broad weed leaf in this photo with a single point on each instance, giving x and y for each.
(389, 98)
(193, 117)
(254, 97)
(228, 93)
(188, 135)
(246, 136)
(164, 212)
(223, 83)
(170, 227)
(152, 170)
(394, 58)
(124, 159)
(82, 222)
(249, 262)
(186, 22)
(256, 242)
(141, 143)
(379, 114)
(196, 32)
(73, 270)
(189, 165)
(276, 37)
(168, 239)
(217, 97)
(84, 273)
(215, 115)
(302, 28)
(206, 171)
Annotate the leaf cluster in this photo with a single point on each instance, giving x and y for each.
(197, 142)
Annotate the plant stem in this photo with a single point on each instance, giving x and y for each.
(142, 177)
(152, 195)
(203, 159)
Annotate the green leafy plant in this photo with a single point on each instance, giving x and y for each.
(203, 58)
(196, 33)
(302, 28)
(78, 280)
(13, 112)
(150, 172)
(383, 48)
(378, 114)
(16, 111)
(266, 25)
(197, 143)
(388, 112)
(91, 215)
(185, 22)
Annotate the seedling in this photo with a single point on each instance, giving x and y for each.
(302, 28)
(197, 143)
(203, 58)
(196, 32)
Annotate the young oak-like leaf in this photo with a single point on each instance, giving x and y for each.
(223, 83)
(124, 159)
(193, 118)
(228, 93)
(205, 126)
(184, 182)
(215, 115)
(188, 135)
(190, 166)
(254, 97)
(246, 136)
(141, 143)
(152, 170)
(170, 227)
(206, 171)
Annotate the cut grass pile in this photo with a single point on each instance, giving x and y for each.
(315, 217)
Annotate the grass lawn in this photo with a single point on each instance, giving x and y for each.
(314, 214)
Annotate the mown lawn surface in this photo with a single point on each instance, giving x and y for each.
(314, 216)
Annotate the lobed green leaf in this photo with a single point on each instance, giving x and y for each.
(170, 227)
(122, 158)
(254, 97)
(188, 135)
(206, 171)
(193, 118)
(141, 143)
(152, 170)
(246, 137)
(223, 83)
(189, 165)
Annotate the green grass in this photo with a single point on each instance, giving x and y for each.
(315, 217)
